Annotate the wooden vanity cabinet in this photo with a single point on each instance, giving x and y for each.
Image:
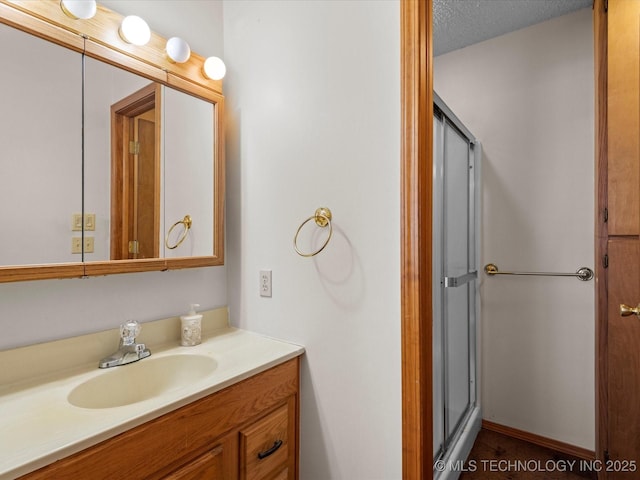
(248, 431)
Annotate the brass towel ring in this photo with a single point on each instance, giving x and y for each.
(322, 217)
(186, 221)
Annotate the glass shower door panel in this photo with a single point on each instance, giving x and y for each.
(457, 356)
(456, 264)
(456, 203)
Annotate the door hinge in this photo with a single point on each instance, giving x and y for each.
(134, 147)
(134, 247)
(605, 215)
(605, 261)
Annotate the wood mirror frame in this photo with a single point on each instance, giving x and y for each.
(98, 38)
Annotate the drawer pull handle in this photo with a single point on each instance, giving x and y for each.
(272, 450)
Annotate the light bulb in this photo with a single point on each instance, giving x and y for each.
(178, 50)
(79, 9)
(135, 30)
(214, 68)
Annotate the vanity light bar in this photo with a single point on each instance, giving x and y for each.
(136, 31)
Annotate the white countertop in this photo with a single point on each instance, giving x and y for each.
(39, 426)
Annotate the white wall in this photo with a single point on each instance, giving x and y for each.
(528, 97)
(313, 101)
(32, 312)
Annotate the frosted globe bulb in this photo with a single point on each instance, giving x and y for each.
(79, 9)
(178, 50)
(214, 68)
(135, 30)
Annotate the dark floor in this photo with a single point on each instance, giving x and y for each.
(498, 457)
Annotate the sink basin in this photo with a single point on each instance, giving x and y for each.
(141, 380)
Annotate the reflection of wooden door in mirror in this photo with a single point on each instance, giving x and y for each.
(143, 237)
(135, 175)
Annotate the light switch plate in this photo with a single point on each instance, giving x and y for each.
(89, 221)
(76, 222)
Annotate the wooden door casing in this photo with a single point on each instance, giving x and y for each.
(416, 235)
(617, 70)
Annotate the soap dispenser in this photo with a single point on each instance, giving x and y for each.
(191, 327)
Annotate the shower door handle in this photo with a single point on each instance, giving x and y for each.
(461, 280)
(626, 310)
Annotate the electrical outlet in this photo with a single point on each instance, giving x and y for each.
(88, 244)
(76, 244)
(265, 283)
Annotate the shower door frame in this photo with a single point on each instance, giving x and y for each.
(443, 283)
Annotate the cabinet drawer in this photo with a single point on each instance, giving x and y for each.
(208, 465)
(264, 446)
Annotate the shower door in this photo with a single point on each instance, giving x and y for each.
(455, 174)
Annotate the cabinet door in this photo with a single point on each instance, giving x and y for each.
(264, 446)
(208, 465)
(283, 475)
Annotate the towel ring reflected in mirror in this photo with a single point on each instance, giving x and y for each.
(187, 222)
(322, 217)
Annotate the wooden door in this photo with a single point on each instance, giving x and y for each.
(135, 175)
(617, 33)
(623, 360)
(144, 228)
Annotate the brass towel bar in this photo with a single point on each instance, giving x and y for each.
(585, 274)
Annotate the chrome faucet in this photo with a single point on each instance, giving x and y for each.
(128, 350)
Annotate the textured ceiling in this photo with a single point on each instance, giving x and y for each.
(458, 23)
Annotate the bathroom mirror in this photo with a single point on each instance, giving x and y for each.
(107, 135)
(156, 145)
(41, 181)
(53, 179)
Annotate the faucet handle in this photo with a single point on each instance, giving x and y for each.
(129, 331)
